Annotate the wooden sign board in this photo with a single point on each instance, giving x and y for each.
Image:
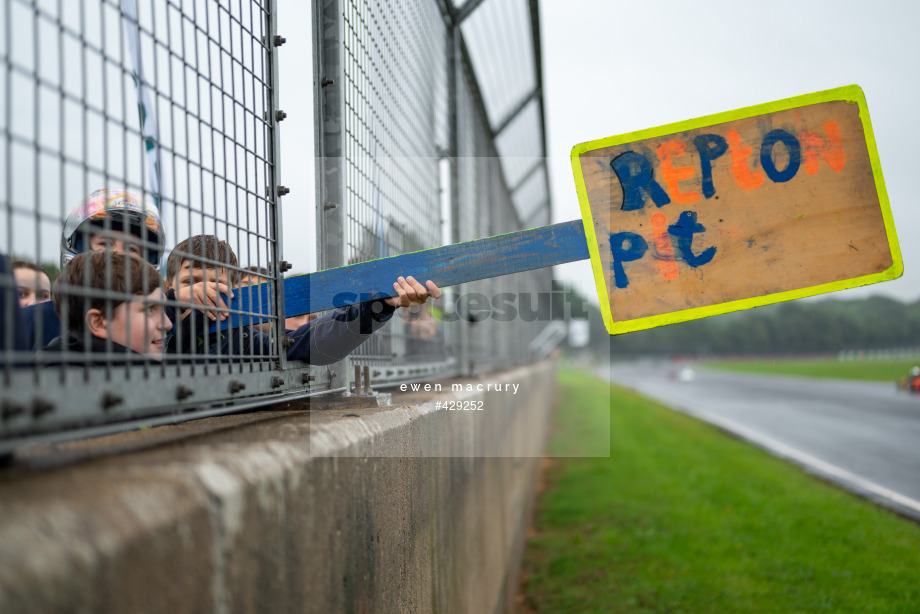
(754, 206)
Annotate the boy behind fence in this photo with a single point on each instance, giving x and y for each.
(201, 271)
(33, 285)
(111, 302)
(112, 220)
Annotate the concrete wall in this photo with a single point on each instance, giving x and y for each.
(402, 509)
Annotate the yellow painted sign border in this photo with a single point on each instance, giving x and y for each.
(850, 93)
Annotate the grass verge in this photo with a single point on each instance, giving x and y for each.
(683, 518)
(881, 370)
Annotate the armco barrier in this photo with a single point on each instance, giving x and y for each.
(400, 509)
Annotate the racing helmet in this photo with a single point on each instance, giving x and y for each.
(116, 210)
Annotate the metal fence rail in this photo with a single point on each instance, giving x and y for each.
(429, 130)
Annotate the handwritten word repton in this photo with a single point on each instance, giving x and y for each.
(739, 209)
(780, 156)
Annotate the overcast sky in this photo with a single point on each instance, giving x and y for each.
(612, 67)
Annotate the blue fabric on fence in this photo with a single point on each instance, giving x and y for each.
(15, 338)
(41, 324)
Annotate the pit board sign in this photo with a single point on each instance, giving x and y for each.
(736, 210)
(754, 206)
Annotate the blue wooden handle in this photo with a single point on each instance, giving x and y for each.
(446, 266)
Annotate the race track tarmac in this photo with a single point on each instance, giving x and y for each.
(864, 436)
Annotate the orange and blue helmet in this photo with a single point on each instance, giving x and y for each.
(116, 210)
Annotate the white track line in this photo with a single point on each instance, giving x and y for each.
(855, 483)
(781, 449)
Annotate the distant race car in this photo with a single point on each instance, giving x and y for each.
(910, 382)
(684, 374)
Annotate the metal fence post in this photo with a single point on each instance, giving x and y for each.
(453, 148)
(274, 187)
(329, 102)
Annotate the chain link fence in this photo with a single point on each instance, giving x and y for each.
(428, 130)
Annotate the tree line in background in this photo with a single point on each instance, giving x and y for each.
(794, 327)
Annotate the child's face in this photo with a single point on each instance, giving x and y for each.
(189, 275)
(116, 241)
(33, 287)
(141, 325)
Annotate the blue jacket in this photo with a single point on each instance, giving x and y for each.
(323, 341)
(41, 324)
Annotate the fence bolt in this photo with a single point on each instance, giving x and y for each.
(283, 190)
(287, 342)
(40, 407)
(109, 400)
(280, 115)
(286, 266)
(184, 392)
(326, 81)
(332, 374)
(279, 40)
(277, 381)
(306, 378)
(11, 410)
(236, 386)
(328, 206)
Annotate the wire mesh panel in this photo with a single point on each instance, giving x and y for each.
(396, 81)
(137, 164)
(393, 69)
(386, 63)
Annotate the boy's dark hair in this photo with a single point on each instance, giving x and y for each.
(259, 271)
(111, 272)
(203, 247)
(16, 263)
